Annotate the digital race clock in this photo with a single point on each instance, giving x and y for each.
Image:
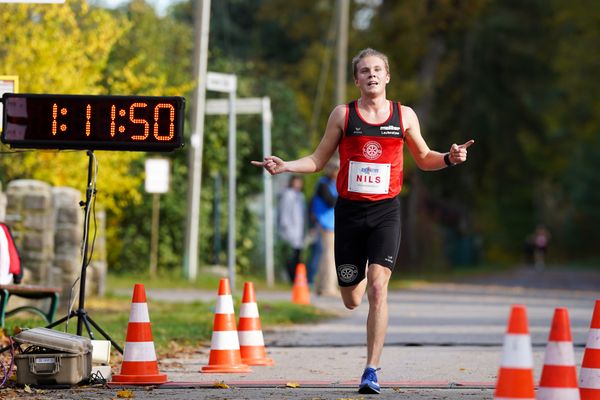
(58, 121)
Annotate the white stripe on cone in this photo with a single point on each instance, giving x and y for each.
(558, 394)
(589, 378)
(559, 353)
(251, 338)
(249, 310)
(224, 340)
(593, 341)
(224, 304)
(139, 351)
(139, 312)
(517, 351)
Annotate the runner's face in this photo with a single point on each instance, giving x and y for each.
(371, 75)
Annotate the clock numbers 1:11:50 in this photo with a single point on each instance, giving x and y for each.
(115, 114)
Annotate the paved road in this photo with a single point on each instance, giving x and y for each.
(444, 342)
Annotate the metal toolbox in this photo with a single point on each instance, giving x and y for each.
(53, 358)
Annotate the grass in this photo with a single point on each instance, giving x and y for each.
(173, 324)
(205, 281)
(402, 280)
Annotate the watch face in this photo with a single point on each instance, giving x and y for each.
(131, 123)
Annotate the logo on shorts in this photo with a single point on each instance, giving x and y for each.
(372, 150)
(347, 272)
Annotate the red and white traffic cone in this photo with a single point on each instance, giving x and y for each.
(225, 354)
(589, 375)
(139, 357)
(515, 378)
(252, 344)
(300, 290)
(559, 375)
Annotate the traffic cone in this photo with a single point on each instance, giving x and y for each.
(252, 344)
(225, 354)
(515, 378)
(589, 376)
(559, 376)
(139, 358)
(300, 291)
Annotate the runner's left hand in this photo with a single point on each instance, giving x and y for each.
(458, 153)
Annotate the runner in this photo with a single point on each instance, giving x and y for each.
(370, 133)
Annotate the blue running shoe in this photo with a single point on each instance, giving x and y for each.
(368, 382)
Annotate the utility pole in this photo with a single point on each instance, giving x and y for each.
(202, 28)
(343, 11)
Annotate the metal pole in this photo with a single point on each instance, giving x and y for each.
(267, 119)
(343, 9)
(202, 23)
(154, 234)
(232, 188)
(217, 220)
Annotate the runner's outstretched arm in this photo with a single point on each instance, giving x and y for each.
(317, 160)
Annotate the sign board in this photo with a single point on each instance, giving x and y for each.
(92, 122)
(219, 82)
(157, 175)
(8, 84)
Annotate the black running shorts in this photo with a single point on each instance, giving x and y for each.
(365, 231)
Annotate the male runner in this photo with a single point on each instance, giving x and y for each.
(370, 133)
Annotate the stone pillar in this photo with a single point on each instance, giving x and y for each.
(98, 267)
(68, 233)
(2, 204)
(30, 214)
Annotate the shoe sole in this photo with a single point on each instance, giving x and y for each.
(368, 390)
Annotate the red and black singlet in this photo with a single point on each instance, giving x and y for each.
(371, 160)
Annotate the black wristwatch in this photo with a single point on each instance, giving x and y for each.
(447, 160)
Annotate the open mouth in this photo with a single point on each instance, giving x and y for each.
(372, 83)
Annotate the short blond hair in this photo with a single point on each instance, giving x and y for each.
(367, 53)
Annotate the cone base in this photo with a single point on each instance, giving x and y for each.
(258, 361)
(140, 379)
(226, 368)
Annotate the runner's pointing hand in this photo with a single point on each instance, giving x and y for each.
(274, 165)
(458, 153)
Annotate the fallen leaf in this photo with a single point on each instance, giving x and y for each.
(125, 394)
(220, 385)
(292, 385)
(27, 389)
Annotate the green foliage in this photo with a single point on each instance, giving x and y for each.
(518, 77)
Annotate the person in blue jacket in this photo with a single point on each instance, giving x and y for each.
(323, 205)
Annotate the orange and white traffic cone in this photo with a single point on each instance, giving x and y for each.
(515, 378)
(589, 375)
(252, 344)
(225, 354)
(139, 357)
(300, 290)
(559, 375)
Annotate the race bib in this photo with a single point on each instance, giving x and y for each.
(370, 178)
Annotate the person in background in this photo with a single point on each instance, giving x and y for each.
(291, 223)
(323, 209)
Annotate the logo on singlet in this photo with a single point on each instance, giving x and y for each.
(372, 150)
(347, 273)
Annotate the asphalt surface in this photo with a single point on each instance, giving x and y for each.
(444, 342)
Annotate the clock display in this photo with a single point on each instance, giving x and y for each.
(132, 123)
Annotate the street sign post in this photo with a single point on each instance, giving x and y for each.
(227, 83)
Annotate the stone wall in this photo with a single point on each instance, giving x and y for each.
(30, 214)
(2, 205)
(47, 223)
